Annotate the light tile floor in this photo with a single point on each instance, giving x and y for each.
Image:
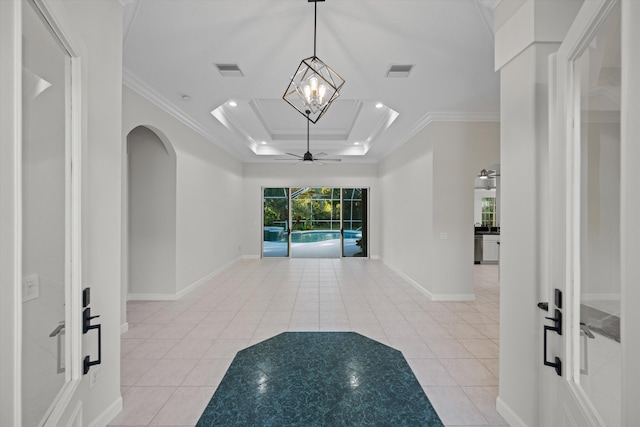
(175, 354)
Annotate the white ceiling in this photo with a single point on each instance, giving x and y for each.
(171, 48)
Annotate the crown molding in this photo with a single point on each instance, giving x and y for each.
(134, 83)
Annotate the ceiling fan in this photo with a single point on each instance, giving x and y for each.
(488, 174)
(308, 157)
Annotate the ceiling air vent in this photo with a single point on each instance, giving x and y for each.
(399, 70)
(229, 70)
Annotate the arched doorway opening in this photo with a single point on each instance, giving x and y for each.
(150, 215)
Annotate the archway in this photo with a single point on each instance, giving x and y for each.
(150, 215)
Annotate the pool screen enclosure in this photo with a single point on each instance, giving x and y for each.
(314, 222)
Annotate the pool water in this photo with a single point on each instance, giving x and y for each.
(310, 236)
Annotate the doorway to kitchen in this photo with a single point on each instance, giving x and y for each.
(314, 222)
(486, 216)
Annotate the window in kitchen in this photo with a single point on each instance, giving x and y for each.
(488, 211)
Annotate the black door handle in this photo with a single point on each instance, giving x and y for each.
(557, 328)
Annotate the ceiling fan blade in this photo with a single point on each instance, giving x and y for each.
(320, 155)
(331, 160)
(295, 155)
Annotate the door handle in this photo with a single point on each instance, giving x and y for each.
(584, 328)
(585, 335)
(86, 327)
(57, 330)
(557, 328)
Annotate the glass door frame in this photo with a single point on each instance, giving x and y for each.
(561, 395)
(73, 225)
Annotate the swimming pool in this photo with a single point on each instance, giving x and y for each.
(310, 236)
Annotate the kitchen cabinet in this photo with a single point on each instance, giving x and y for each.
(490, 247)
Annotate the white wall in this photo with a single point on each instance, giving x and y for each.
(428, 197)
(257, 176)
(406, 182)
(209, 198)
(152, 214)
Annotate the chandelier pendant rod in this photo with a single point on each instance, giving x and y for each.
(315, 24)
(308, 132)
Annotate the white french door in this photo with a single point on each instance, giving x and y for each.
(582, 329)
(50, 234)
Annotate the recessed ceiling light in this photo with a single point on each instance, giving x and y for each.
(264, 143)
(233, 104)
(186, 98)
(379, 105)
(356, 143)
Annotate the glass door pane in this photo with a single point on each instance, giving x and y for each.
(45, 207)
(597, 336)
(275, 221)
(315, 222)
(354, 222)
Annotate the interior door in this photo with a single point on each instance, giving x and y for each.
(50, 234)
(582, 327)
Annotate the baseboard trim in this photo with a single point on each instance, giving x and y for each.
(250, 256)
(427, 293)
(508, 414)
(408, 279)
(108, 414)
(124, 328)
(183, 292)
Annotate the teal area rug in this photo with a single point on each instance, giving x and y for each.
(319, 379)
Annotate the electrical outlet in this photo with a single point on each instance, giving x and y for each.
(30, 287)
(93, 376)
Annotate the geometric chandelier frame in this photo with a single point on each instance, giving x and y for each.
(314, 85)
(313, 88)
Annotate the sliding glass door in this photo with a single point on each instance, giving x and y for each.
(275, 220)
(314, 222)
(354, 222)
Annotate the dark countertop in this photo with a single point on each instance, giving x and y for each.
(489, 231)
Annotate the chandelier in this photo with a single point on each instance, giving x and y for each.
(314, 85)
